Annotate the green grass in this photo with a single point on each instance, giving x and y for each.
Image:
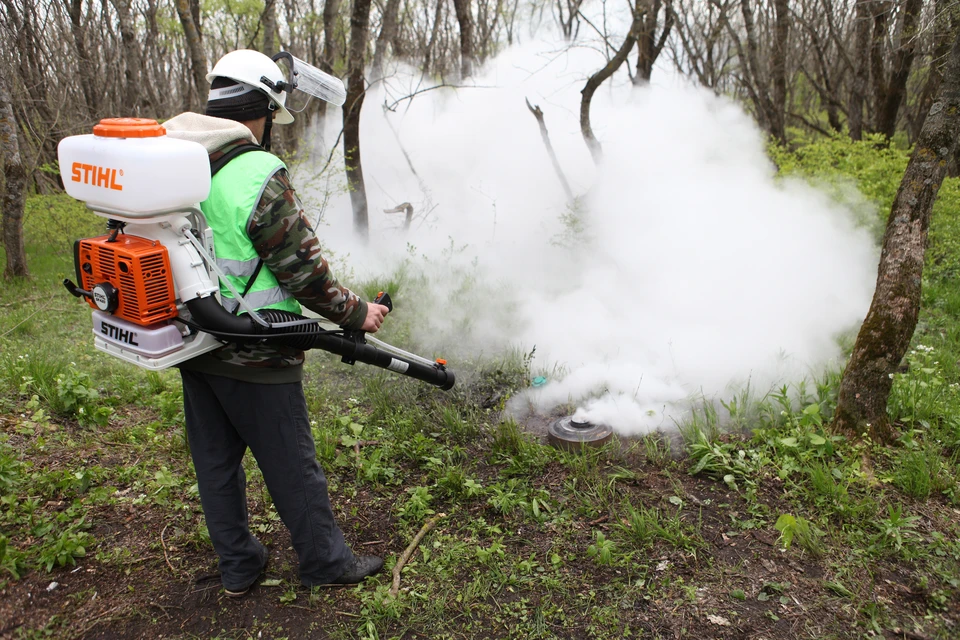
(633, 538)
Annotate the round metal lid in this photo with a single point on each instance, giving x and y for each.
(567, 433)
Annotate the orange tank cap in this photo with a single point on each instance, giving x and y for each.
(441, 362)
(129, 128)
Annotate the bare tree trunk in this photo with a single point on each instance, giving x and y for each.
(388, 28)
(87, 68)
(778, 69)
(890, 323)
(359, 28)
(131, 58)
(770, 119)
(570, 22)
(397, 43)
(861, 54)
(331, 8)
(649, 45)
(270, 28)
(310, 27)
(187, 10)
(487, 23)
(896, 86)
(14, 188)
(881, 12)
(943, 27)
(428, 54)
(597, 79)
(826, 87)
(467, 54)
(150, 53)
(295, 44)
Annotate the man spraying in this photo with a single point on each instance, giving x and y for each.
(250, 395)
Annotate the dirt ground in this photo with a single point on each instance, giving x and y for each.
(165, 585)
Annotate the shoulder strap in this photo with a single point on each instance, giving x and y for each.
(253, 278)
(221, 162)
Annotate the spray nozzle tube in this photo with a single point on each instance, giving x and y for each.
(302, 333)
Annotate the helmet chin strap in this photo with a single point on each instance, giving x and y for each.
(265, 141)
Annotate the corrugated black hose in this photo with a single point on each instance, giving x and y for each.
(208, 315)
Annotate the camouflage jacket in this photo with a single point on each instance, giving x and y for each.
(285, 241)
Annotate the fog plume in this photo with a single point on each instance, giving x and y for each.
(686, 269)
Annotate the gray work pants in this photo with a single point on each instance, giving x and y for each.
(224, 417)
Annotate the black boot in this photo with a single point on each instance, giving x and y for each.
(361, 567)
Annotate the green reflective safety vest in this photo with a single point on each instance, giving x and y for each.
(234, 194)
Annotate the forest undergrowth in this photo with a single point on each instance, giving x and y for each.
(762, 523)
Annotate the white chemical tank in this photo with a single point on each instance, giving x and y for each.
(130, 165)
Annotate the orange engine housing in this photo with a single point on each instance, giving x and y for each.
(137, 267)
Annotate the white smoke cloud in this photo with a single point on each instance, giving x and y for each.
(697, 270)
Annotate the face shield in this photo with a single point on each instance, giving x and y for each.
(306, 82)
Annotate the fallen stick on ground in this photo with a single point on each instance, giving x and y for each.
(164, 545)
(405, 556)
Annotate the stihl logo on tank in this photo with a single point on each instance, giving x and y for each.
(111, 331)
(97, 176)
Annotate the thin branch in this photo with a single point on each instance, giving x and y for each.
(538, 114)
(164, 545)
(405, 557)
(392, 107)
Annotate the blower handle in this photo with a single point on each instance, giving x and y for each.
(384, 298)
(358, 335)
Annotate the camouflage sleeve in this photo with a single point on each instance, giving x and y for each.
(290, 249)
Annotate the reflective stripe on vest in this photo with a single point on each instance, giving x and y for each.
(239, 268)
(234, 194)
(268, 298)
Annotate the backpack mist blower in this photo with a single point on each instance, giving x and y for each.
(152, 280)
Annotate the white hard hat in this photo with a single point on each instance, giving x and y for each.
(256, 70)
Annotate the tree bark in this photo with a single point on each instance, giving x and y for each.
(649, 45)
(467, 53)
(130, 100)
(270, 28)
(770, 119)
(331, 8)
(151, 61)
(187, 10)
(397, 43)
(878, 76)
(778, 69)
(946, 25)
(861, 55)
(388, 28)
(428, 52)
(825, 87)
(487, 25)
(885, 335)
(943, 28)
(896, 86)
(570, 21)
(14, 188)
(594, 82)
(359, 28)
(86, 67)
